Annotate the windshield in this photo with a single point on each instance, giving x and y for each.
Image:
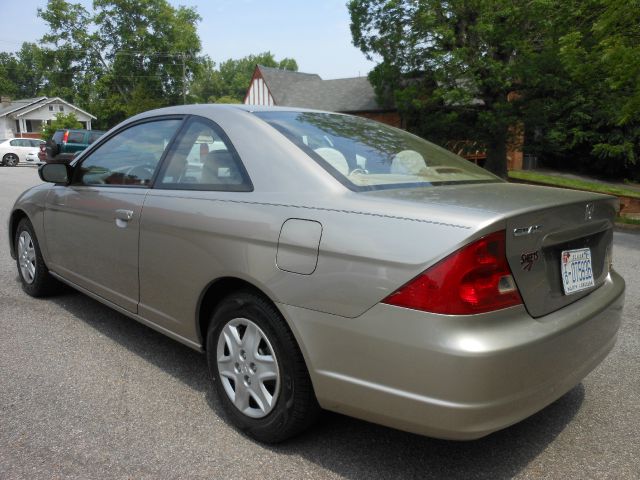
(367, 155)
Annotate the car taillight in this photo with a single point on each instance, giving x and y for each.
(65, 137)
(474, 279)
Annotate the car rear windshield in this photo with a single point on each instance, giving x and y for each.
(368, 155)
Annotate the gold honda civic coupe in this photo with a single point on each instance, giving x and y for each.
(325, 261)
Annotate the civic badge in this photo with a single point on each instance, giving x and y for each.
(522, 231)
(528, 259)
(588, 211)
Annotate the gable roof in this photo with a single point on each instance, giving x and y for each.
(16, 105)
(26, 105)
(280, 82)
(47, 101)
(307, 90)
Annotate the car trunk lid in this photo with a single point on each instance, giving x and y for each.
(540, 242)
(540, 222)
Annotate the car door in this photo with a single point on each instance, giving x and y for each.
(192, 226)
(92, 225)
(20, 147)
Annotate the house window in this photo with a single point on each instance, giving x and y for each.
(61, 108)
(51, 108)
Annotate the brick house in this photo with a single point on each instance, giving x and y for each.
(25, 118)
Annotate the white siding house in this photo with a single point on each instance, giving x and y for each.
(25, 118)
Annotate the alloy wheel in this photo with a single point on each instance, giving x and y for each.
(11, 160)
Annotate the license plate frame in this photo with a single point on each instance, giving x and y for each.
(576, 270)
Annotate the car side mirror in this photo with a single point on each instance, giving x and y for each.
(55, 173)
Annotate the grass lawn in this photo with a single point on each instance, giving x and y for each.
(628, 221)
(572, 183)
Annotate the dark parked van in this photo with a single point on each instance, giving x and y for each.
(66, 143)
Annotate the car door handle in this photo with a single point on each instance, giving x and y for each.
(123, 217)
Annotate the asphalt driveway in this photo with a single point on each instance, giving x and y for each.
(88, 393)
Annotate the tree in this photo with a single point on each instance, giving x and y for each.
(232, 78)
(61, 121)
(22, 74)
(567, 70)
(463, 59)
(124, 56)
(601, 59)
(8, 84)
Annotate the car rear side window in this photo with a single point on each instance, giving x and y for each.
(203, 158)
(130, 157)
(75, 137)
(93, 136)
(366, 155)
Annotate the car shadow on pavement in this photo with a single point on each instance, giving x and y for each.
(346, 446)
(174, 358)
(371, 451)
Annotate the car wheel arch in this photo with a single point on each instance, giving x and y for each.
(217, 290)
(214, 293)
(14, 220)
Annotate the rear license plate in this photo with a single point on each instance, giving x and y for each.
(575, 267)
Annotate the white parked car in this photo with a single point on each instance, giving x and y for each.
(15, 150)
(32, 158)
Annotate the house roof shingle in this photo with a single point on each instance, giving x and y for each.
(27, 105)
(16, 105)
(306, 90)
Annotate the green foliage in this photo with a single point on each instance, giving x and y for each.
(601, 64)
(458, 57)
(557, 181)
(22, 74)
(227, 99)
(61, 121)
(568, 70)
(231, 79)
(121, 58)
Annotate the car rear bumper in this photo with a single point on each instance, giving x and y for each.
(455, 377)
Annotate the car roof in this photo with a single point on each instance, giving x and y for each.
(79, 130)
(204, 108)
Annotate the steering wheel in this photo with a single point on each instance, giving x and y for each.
(142, 173)
(358, 171)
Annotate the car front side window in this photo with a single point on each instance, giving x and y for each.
(130, 157)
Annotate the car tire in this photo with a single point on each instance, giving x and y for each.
(10, 160)
(272, 399)
(34, 275)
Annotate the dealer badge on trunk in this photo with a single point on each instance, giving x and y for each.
(528, 259)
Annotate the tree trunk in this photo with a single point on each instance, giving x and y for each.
(497, 154)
